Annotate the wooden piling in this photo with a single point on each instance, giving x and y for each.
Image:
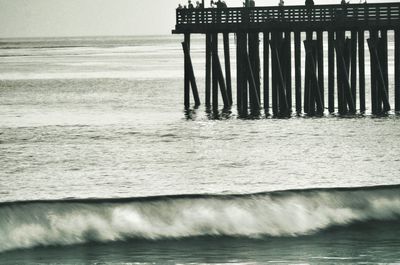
(397, 69)
(228, 67)
(383, 51)
(307, 84)
(238, 74)
(379, 75)
(253, 87)
(297, 59)
(354, 65)
(208, 70)
(266, 71)
(241, 73)
(253, 44)
(320, 56)
(361, 68)
(275, 107)
(342, 52)
(339, 42)
(221, 83)
(331, 72)
(186, 74)
(214, 49)
(190, 72)
(288, 66)
(283, 104)
(244, 80)
(373, 37)
(316, 98)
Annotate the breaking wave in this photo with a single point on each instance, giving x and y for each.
(275, 214)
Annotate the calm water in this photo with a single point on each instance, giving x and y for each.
(103, 118)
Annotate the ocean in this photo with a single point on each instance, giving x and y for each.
(100, 164)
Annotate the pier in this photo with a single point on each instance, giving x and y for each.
(289, 36)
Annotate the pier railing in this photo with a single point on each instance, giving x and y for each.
(294, 17)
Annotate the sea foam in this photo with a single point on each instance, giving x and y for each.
(283, 213)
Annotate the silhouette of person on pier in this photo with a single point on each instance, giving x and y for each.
(309, 3)
(281, 4)
(309, 6)
(219, 4)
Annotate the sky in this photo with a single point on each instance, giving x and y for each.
(56, 18)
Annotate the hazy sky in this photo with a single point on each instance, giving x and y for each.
(36, 18)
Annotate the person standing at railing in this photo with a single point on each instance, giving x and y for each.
(309, 3)
(309, 6)
(281, 4)
(281, 11)
(220, 5)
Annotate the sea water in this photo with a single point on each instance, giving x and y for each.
(99, 164)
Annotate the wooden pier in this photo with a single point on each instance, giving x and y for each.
(348, 29)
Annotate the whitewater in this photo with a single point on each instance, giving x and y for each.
(285, 213)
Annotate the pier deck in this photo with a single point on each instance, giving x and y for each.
(343, 26)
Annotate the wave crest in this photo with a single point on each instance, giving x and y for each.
(285, 213)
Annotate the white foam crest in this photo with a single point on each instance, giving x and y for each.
(290, 214)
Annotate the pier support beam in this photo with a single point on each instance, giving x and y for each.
(373, 37)
(378, 72)
(397, 70)
(315, 96)
(361, 69)
(297, 63)
(208, 70)
(275, 106)
(189, 75)
(383, 53)
(345, 94)
(354, 66)
(214, 51)
(320, 55)
(331, 72)
(228, 67)
(288, 65)
(186, 68)
(307, 84)
(254, 58)
(241, 52)
(280, 75)
(266, 71)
